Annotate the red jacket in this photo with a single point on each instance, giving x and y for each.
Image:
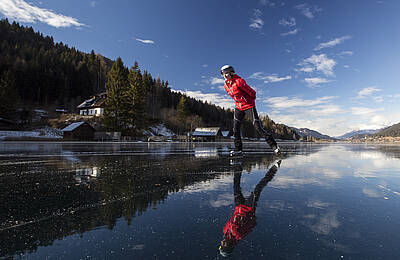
(243, 95)
(241, 223)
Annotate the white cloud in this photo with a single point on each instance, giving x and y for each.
(307, 69)
(275, 78)
(319, 63)
(312, 82)
(307, 10)
(145, 41)
(291, 22)
(269, 78)
(204, 65)
(365, 92)
(256, 22)
(379, 121)
(364, 111)
(207, 81)
(326, 110)
(214, 98)
(285, 102)
(292, 32)
(317, 204)
(271, 3)
(215, 81)
(325, 224)
(346, 53)
(93, 3)
(332, 43)
(372, 193)
(21, 11)
(225, 199)
(332, 125)
(221, 88)
(394, 96)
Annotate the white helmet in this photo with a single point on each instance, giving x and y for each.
(227, 68)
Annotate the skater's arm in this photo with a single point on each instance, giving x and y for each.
(246, 88)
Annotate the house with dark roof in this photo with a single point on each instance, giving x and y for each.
(207, 134)
(93, 106)
(79, 131)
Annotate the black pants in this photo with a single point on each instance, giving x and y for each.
(252, 114)
(252, 199)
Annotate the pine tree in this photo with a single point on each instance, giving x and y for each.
(137, 97)
(182, 109)
(8, 95)
(116, 115)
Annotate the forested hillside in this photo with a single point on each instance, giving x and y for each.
(36, 72)
(393, 130)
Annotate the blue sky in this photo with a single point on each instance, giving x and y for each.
(326, 65)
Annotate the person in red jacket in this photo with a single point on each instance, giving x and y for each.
(244, 97)
(243, 219)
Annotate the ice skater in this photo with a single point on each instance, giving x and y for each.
(244, 97)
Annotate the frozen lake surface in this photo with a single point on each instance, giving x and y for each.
(179, 201)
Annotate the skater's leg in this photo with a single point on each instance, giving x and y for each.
(252, 113)
(237, 190)
(237, 123)
(263, 182)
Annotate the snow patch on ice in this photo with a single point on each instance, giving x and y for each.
(46, 132)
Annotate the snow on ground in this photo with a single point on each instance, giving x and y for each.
(47, 132)
(159, 129)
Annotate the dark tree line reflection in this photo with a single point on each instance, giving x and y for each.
(50, 199)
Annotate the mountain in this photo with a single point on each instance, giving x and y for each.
(360, 133)
(393, 131)
(304, 132)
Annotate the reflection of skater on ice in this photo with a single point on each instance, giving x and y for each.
(243, 219)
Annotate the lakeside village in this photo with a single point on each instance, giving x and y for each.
(82, 127)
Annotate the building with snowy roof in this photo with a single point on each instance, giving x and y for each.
(207, 134)
(93, 106)
(79, 131)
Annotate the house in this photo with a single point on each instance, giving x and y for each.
(207, 134)
(93, 106)
(81, 131)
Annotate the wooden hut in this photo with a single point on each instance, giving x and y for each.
(207, 134)
(79, 131)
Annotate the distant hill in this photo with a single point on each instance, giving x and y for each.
(358, 134)
(393, 130)
(304, 132)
